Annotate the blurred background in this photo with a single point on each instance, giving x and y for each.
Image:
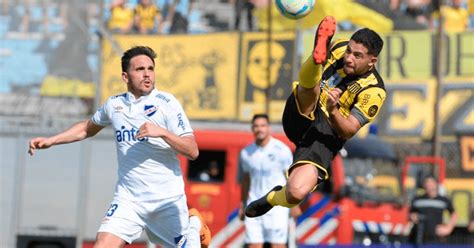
(225, 61)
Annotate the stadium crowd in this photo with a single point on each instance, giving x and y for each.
(188, 16)
(175, 16)
(204, 16)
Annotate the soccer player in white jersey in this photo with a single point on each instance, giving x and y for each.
(264, 164)
(150, 128)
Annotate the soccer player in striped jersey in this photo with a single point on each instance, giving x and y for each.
(338, 92)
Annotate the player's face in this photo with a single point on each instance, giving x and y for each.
(140, 76)
(356, 59)
(261, 129)
(431, 186)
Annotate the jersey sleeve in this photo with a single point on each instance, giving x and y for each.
(449, 205)
(177, 121)
(102, 115)
(368, 104)
(244, 167)
(413, 208)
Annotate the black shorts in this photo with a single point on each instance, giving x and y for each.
(315, 140)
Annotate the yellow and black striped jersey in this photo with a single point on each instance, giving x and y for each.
(120, 18)
(362, 95)
(147, 15)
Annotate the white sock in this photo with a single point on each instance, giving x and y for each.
(194, 239)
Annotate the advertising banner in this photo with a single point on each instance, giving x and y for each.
(225, 77)
(254, 70)
(199, 70)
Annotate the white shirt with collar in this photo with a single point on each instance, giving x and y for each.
(148, 168)
(266, 165)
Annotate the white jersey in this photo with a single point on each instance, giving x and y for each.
(266, 165)
(148, 168)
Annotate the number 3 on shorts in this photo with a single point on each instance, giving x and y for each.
(112, 209)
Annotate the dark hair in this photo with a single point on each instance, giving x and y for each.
(135, 51)
(430, 176)
(370, 39)
(256, 116)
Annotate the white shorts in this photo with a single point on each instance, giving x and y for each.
(165, 221)
(271, 227)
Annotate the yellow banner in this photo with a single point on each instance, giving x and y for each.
(461, 193)
(199, 70)
(224, 77)
(62, 86)
(254, 74)
(408, 110)
(467, 149)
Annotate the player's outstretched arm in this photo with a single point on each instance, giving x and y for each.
(77, 132)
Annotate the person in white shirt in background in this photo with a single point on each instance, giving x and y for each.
(264, 163)
(150, 128)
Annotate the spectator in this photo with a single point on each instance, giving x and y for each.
(426, 213)
(212, 173)
(470, 10)
(248, 6)
(20, 17)
(393, 10)
(5, 10)
(121, 18)
(175, 14)
(456, 18)
(147, 17)
(421, 11)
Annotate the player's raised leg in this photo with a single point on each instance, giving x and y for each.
(307, 95)
(312, 69)
(302, 181)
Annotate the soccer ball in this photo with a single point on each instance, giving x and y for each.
(294, 9)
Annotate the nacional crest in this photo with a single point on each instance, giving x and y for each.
(150, 110)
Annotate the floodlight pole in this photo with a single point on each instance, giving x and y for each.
(269, 52)
(437, 132)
